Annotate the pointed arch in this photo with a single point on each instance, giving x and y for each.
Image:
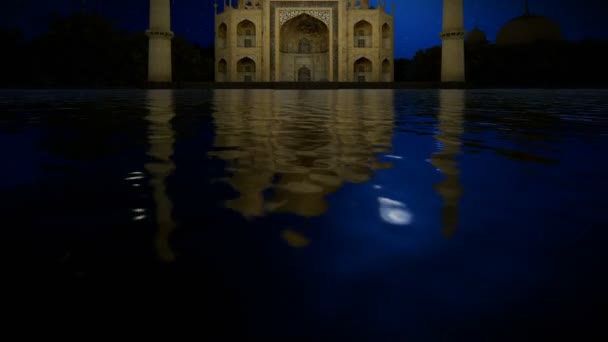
(246, 34)
(363, 69)
(304, 46)
(246, 69)
(386, 36)
(363, 34)
(304, 31)
(222, 36)
(222, 71)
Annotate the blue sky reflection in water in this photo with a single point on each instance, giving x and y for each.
(422, 214)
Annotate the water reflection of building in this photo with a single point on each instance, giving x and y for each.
(287, 150)
(161, 139)
(449, 137)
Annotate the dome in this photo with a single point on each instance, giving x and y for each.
(476, 36)
(529, 29)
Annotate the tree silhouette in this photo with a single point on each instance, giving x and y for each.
(84, 49)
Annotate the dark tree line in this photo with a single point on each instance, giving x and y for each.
(543, 63)
(84, 49)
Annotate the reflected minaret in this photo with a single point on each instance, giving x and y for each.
(159, 42)
(161, 139)
(286, 151)
(452, 36)
(451, 128)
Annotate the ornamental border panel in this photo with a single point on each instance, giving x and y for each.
(286, 15)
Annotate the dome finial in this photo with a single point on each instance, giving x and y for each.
(527, 8)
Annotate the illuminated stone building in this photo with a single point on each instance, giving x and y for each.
(314, 40)
(302, 41)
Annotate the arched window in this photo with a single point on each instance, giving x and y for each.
(246, 34)
(222, 71)
(386, 36)
(363, 34)
(222, 34)
(363, 70)
(246, 70)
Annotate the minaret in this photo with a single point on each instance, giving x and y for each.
(160, 35)
(452, 53)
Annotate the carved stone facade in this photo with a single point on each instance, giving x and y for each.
(296, 40)
(323, 15)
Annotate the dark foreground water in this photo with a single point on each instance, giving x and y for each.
(406, 215)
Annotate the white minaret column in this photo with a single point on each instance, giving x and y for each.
(452, 52)
(160, 35)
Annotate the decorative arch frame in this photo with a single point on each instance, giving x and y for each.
(317, 7)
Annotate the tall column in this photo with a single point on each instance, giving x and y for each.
(160, 35)
(452, 52)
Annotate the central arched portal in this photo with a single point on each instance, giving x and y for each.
(304, 47)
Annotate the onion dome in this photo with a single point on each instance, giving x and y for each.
(476, 37)
(527, 29)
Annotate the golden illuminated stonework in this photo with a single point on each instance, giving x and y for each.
(300, 41)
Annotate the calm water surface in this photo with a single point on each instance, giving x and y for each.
(413, 214)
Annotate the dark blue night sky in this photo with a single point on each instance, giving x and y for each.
(418, 22)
